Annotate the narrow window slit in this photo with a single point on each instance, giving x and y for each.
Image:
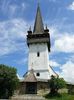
(38, 54)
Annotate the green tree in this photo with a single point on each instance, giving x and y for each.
(56, 83)
(8, 81)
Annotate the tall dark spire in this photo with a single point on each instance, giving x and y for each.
(38, 26)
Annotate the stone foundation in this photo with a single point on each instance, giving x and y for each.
(42, 88)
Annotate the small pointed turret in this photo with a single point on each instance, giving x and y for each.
(38, 26)
(46, 30)
(29, 31)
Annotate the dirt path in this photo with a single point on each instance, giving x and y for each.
(27, 97)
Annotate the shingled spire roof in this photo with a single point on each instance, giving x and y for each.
(38, 26)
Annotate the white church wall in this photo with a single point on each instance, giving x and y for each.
(39, 64)
(43, 75)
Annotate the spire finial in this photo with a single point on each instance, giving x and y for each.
(38, 2)
(46, 26)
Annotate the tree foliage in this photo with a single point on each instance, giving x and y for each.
(55, 84)
(8, 81)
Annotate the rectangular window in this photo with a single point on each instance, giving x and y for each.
(38, 54)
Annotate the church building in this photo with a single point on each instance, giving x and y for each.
(39, 70)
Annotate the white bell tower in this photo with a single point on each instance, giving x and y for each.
(39, 47)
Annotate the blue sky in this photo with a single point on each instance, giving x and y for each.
(16, 16)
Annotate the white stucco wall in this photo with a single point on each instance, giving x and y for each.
(39, 64)
(43, 75)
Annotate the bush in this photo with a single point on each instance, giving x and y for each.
(56, 83)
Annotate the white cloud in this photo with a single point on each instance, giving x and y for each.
(53, 0)
(12, 36)
(72, 58)
(71, 6)
(12, 9)
(54, 63)
(53, 32)
(64, 44)
(5, 5)
(23, 5)
(8, 8)
(68, 71)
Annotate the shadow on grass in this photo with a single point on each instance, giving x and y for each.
(51, 96)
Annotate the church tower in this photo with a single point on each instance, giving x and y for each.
(39, 71)
(39, 47)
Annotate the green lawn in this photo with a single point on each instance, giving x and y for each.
(64, 96)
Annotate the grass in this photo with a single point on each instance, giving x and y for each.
(63, 96)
